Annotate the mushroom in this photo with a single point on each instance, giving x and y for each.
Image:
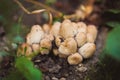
(35, 35)
(55, 29)
(75, 26)
(92, 33)
(58, 41)
(68, 47)
(81, 38)
(46, 28)
(49, 36)
(45, 45)
(25, 50)
(74, 59)
(82, 27)
(55, 52)
(36, 48)
(87, 50)
(67, 30)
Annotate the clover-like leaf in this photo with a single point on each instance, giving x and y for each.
(113, 24)
(27, 68)
(113, 43)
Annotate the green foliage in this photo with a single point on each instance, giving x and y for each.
(50, 2)
(14, 75)
(114, 11)
(113, 24)
(113, 43)
(3, 53)
(27, 68)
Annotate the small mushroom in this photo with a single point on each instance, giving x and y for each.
(92, 33)
(49, 36)
(67, 30)
(58, 41)
(82, 27)
(87, 50)
(74, 59)
(55, 29)
(75, 26)
(46, 28)
(24, 49)
(36, 48)
(45, 45)
(81, 39)
(68, 47)
(55, 52)
(35, 35)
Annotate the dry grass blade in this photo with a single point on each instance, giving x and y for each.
(35, 11)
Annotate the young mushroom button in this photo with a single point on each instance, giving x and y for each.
(87, 50)
(74, 59)
(68, 47)
(35, 35)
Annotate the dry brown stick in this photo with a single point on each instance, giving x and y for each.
(35, 11)
(59, 14)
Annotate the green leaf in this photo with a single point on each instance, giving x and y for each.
(3, 53)
(115, 11)
(18, 39)
(113, 43)
(27, 68)
(113, 24)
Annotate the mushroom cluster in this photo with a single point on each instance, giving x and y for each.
(74, 41)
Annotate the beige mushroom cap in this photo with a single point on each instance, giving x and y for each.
(46, 28)
(36, 28)
(68, 47)
(46, 43)
(55, 29)
(49, 36)
(81, 39)
(35, 35)
(82, 27)
(87, 50)
(58, 41)
(67, 30)
(74, 59)
(92, 33)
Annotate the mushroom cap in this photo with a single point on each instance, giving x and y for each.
(55, 29)
(36, 28)
(46, 43)
(74, 59)
(35, 35)
(68, 47)
(67, 30)
(46, 28)
(58, 40)
(81, 39)
(75, 26)
(49, 36)
(87, 50)
(91, 33)
(82, 27)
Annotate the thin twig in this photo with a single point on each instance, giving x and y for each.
(35, 11)
(59, 14)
